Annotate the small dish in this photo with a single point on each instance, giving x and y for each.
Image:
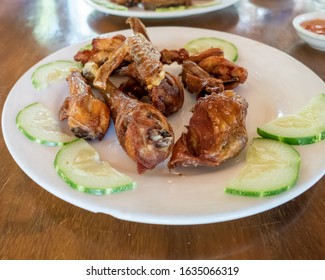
(316, 41)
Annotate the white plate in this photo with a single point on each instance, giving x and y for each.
(141, 13)
(277, 84)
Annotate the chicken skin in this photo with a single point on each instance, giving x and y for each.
(209, 71)
(142, 130)
(216, 131)
(198, 81)
(145, 59)
(88, 117)
(167, 97)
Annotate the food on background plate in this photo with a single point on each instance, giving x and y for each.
(127, 3)
(111, 4)
(153, 4)
(142, 130)
(307, 126)
(79, 165)
(38, 124)
(271, 168)
(88, 117)
(216, 131)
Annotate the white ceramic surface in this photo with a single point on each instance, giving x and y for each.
(316, 41)
(319, 5)
(141, 13)
(278, 85)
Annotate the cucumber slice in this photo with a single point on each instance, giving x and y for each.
(110, 5)
(206, 4)
(37, 124)
(86, 47)
(305, 127)
(204, 43)
(79, 165)
(271, 168)
(53, 72)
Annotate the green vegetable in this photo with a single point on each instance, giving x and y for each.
(204, 43)
(86, 47)
(206, 4)
(305, 127)
(53, 72)
(110, 5)
(194, 6)
(271, 167)
(79, 165)
(37, 124)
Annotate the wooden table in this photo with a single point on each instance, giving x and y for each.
(34, 224)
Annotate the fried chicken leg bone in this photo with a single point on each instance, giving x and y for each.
(143, 132)
(145, 57)
(88, 117)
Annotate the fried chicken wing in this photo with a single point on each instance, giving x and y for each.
(216, 131)
(88, 117)
(221, 68)
(199, 81)
(101, 48)
(167, 97)
(170, 56)
(108, 44)
(145, 58)
(206, 53)
(143, 132)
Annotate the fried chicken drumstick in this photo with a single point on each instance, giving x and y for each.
(142, 130)
(88, 117)
(216, 131)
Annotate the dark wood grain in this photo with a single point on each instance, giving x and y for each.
(37, 225)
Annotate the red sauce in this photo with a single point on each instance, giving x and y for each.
(315, 25)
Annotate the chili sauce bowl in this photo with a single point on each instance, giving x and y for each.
(315, 40)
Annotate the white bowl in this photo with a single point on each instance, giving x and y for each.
(316, 41)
